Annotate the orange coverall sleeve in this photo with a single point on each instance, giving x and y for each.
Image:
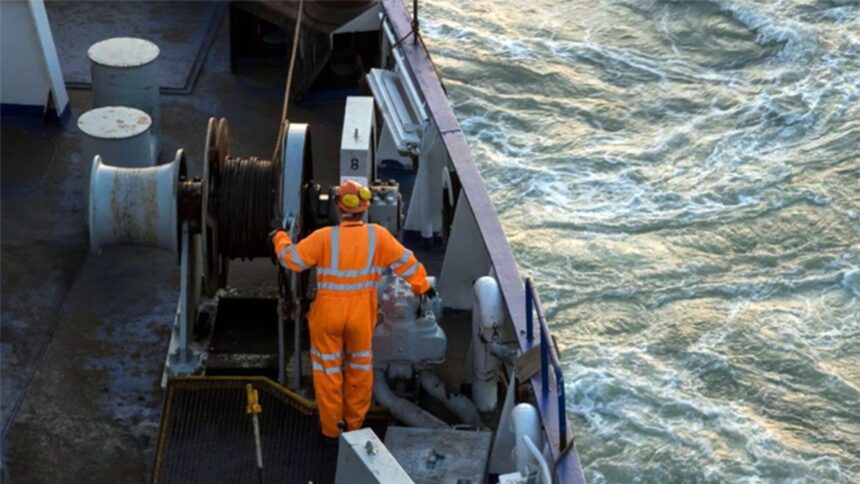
(402, 261)
(299, 257)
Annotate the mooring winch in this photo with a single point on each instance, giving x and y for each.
(224, 215)
(206, 221)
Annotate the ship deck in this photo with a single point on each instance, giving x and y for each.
(84, 336)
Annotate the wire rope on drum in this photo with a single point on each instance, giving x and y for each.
(246, 201)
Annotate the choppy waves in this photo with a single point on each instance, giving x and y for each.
(683, 181)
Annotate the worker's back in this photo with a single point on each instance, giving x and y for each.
(351, 258)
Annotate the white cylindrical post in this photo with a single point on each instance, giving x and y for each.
(125, 73)
(488, 319)
(525, 423)
(121, 135)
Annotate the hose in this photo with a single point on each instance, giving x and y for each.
(544, 468)
(461, 406)
(403, 410)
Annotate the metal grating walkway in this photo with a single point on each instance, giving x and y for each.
(207, 437)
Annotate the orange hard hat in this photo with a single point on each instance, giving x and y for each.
(353, 197)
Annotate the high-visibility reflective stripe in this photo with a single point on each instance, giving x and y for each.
(366, 270)
(327, 371)
(326, 356)
(335, 247)
(361, 354)
(282, 255)
(353, 273)
(294, 254)
(346, 287)
(359, 366)
(371, 245)
(411, 270)
(402, 261)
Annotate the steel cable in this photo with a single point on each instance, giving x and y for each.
(295, 48)
(246, 200)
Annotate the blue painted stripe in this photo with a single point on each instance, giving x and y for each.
(22, 111)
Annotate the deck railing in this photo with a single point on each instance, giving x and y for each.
(547, 355)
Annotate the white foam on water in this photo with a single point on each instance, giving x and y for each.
(851, 281)
(692, 229)
(801, 43)
(616, 405)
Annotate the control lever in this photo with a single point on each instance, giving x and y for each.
(425, 300)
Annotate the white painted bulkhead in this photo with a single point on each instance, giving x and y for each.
(30, 73)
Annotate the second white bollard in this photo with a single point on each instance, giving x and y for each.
(125, 73)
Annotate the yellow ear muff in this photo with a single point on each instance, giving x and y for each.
(365, 194)
(350, 200)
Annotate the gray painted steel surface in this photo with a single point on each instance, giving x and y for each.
(183, 31)
(363, 458)
(440, 455)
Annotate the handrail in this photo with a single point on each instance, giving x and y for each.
(547, 355)
(539, 458)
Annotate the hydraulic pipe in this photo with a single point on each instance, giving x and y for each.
(538, 457)
(461, 406)
(506, 353)
(403, 410)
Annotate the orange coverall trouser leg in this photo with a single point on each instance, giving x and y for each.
(341, 330)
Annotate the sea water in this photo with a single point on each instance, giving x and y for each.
(682, 181)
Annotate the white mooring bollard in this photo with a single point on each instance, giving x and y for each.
(125, 73)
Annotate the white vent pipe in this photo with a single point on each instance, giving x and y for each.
(488, 317)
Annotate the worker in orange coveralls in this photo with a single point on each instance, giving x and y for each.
(350, 259)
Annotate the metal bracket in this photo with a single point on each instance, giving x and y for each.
(182, 358)
(466, 259)
(425, 206)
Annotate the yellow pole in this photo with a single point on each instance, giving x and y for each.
(254, 409)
